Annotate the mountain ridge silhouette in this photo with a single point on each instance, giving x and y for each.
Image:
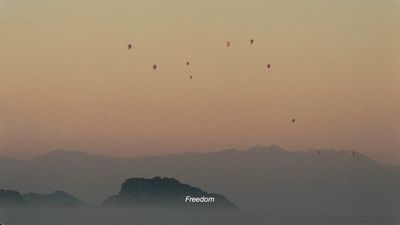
(163, 192)
(282, 178)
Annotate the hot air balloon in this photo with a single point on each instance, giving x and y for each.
(293, 120)
(154, 67)
(227, 44)
(187, 63)
(251, 41)
(129, 46)
(353, 153)
(268, 66)
(191, 77)
(318, 152)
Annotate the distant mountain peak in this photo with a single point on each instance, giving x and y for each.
(265, 148)
(55, 153)
(56, 199)
(62, 154)
(230, 150)
(61, 150)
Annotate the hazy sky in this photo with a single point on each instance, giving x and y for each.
(68, 81)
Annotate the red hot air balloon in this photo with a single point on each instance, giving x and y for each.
(227, 44)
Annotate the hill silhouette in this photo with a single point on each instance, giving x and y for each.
(260, 179)
(11, 198)
(55, 199)
(163, 192)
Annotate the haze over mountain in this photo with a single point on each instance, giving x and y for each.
(11, 198)
(260, 179)
(55, 199)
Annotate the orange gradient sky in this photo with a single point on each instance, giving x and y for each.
(68, 81)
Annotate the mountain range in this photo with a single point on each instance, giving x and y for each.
(57, 199)
(260, 179)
